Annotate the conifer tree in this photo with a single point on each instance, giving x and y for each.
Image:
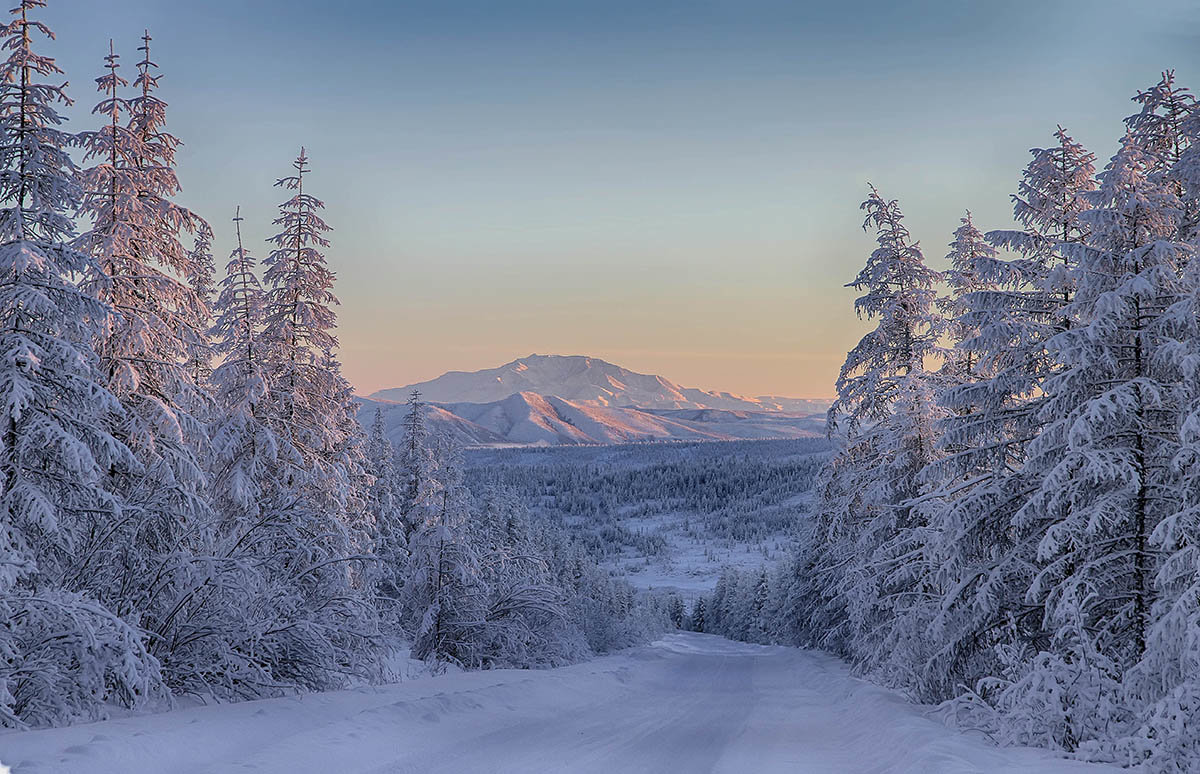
(417, 465)
(201, 283)
(699, 616)
(1164, 129)
(982, 479)
(886, 398)
(310, 411)
(1104, 456)
(758, 602)
(250, 458)
(64, 655)
(385, 504)
(675, 611)
(139, 260)
(444, 596)
(1160, 128)
(310, 396)
(299, 319)
(971, 260)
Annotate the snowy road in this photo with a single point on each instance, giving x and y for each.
(690, 703)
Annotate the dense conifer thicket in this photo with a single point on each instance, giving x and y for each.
(648, 500)
(188, 504)
(1010, 525)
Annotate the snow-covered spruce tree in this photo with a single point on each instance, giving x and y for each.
(417, 466)
(445, 601)
(879, 570)
(732, 619)
(1185, 173)
(1164, 129)
(971, 261)
(985, 568)
(310, 410)
(1166, 683)
(297, 337)
(699, 618)
(759, 597)
(776, 614)
(144, 567)
(384, 502)
(676, 612)
(252, 545)
(1104, 462)
(718, 602)
(311, 398)
(245, 451)
(64, 655)
(526, 621)
(200, 362)
(789, 624)
(747, 598)
(1160, 127)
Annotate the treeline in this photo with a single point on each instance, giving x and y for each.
(732, 492)
(187, 502)
(472, 580)
(1011, 525)
(745, 605)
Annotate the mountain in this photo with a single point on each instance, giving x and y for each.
(587, 381)
(529, 419)
(551, 400)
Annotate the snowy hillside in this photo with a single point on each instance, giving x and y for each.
(530, 419)
(587, 381)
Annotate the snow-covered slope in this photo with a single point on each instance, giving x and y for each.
(586, 381)
(527, 418)
(692, 702)
(553, 400)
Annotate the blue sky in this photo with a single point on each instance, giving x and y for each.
(672, 186)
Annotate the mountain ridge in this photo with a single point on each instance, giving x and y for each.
(553, 400)
(529, 419)
(587, 381)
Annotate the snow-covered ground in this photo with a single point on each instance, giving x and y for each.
(689, 703)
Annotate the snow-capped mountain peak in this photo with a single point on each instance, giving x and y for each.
(586, 381)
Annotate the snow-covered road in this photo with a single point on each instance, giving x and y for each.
(690, 703)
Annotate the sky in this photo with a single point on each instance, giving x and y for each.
(670, 186)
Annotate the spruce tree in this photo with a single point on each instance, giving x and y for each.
(249, 457)
(699, 616)
(138, 262)
(1103, 460)
(310, 411)
(1160, 128)
(201, 282)
(886, 400)
(985, 565)
(444, 597)
(416, 465)
(64, 655)
(385, 504)
(971, 261)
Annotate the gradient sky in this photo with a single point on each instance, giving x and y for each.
(672, 186)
